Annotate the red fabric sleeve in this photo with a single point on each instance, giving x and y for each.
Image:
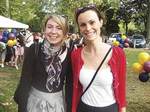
(122, 78)
(76, 66)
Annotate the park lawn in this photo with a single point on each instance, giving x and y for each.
(9, 78)
(138, 93)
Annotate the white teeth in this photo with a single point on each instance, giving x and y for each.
(92, 33)
(53, 37)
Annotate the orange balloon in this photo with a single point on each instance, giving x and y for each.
(143, 57)
(137, 67)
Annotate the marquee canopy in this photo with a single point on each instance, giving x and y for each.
(9, 23)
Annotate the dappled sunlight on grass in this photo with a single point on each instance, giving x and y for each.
(9, 78)
(138, 93)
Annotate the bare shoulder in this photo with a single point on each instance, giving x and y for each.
(106, 46)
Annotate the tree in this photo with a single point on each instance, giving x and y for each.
(148, 22)
(68, 8)
(124, 13)
(3, 10)
(134, 11)
(32, 12)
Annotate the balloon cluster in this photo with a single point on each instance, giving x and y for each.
(142, 66)
(11, 40)
(121, 41)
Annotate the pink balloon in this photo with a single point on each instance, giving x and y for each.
(127, 40)
(11, 35)
(126, 45)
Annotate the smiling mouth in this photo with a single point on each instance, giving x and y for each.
(53, 37)
(90, 33)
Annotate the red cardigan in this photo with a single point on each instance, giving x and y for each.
(118, 68)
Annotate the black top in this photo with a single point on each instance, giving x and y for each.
(39, 76)
(34, 74)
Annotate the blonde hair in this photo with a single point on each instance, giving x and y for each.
(59, 20)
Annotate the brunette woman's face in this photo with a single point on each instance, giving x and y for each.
(54, 32)
(89, 24)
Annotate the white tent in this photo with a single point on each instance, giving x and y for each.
(9, 23)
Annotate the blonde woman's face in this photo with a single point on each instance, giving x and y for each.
(54, 32)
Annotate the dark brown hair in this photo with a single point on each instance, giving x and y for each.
(87, 8)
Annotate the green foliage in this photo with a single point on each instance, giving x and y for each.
(135, 11)
(26, 12)
(32, 11)
(3, 10)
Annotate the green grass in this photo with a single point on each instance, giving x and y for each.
(8, 81)
(138, 93)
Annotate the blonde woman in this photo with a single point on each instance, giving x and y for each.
(45, 68)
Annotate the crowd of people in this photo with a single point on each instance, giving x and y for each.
(11, 50)
(92, 72)
(14, 43)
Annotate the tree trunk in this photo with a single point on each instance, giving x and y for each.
(8, 8)
(148, 22)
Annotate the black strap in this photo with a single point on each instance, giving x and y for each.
(96, 72)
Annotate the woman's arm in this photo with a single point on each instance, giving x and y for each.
(21, 93)
(69, 85)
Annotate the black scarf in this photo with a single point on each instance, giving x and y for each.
(52, 63)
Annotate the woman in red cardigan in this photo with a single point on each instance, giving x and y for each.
(107, 91)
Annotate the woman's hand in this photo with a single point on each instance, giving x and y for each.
(123, 109)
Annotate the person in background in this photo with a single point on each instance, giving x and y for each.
(2, 53)
(28, 40)
(37, 37)
(2, 48)
(74, 41)
(106, 92)
(10, 55)
(20, 48)
(19, 53)
(45, 70)
(3, 40)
